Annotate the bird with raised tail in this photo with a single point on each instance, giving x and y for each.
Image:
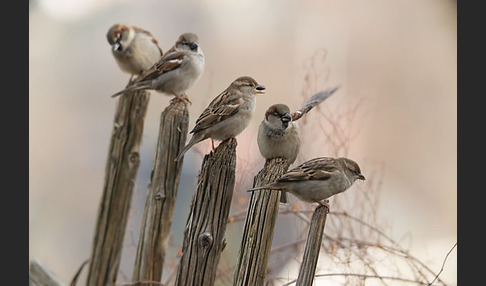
(175, 72)
(278, 134)
(228, 114)
(317, 179)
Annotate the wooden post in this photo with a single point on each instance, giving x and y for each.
(162, 194)
(40, 275)
(121, 169)
(206, 225)
(256, 241)
(312, 247)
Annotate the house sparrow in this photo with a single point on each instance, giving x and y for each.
(177, 71)
(318, 179)
(228, 114)
(135, 50)
(277, 133)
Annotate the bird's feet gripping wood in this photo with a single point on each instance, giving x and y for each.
(326, 204)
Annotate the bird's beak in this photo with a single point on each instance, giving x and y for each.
(115, 46)
(361, 177)
(260, 89)
(286, 117)
(194, 46)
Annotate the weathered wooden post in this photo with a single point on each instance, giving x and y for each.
(256, 241)
(120, 173)
(40, 275)
(162, 194)
(204, 235)
(312, 247)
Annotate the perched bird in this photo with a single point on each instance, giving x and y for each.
(278, 136)
(277, 133)
(135, 50)
(318, 179)
(175, 72)
(228, 114)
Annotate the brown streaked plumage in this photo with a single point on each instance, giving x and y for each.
(318, 179)
(175, 72)
(228, 114)
(135, 49)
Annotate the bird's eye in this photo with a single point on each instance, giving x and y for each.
(252, 84)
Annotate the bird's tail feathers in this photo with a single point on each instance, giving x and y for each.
(133, 87)
(186, 148)
(266, 187)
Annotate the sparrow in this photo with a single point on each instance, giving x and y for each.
(318, 179)
(278, 132)
(228, 114)
(175, 72)
(135, 49)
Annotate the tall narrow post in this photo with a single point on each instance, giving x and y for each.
(312, 247)
(256, 241)
(162, 194)
(206, 225)
(120, 173)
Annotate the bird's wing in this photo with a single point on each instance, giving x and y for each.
(140, 30)
(223, 106)
(167, 63)
(312, 102)
(316, 169)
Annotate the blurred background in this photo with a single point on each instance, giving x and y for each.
(395, 62)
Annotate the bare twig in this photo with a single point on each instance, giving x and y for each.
(76, 276)
(364, 276)
(443, 263)
(140, 283)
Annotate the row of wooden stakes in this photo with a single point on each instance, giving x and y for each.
(204, 234)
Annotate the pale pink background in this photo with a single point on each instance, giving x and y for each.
(397, 58)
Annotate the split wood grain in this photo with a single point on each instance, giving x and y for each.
(256, 242)
(162, 194)
(120, 173)
(308, 266)
(204, 234)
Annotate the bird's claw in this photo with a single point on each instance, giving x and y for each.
(326, 204)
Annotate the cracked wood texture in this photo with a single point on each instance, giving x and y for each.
(204, 235)
(162, 194)
(257, 237)
(312, 247)
(121, 169)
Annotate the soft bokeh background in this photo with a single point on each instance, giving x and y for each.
(396, 59)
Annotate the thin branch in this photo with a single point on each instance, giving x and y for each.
(364, 276)
(141, 282)
(443, 263)
(76, 276)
